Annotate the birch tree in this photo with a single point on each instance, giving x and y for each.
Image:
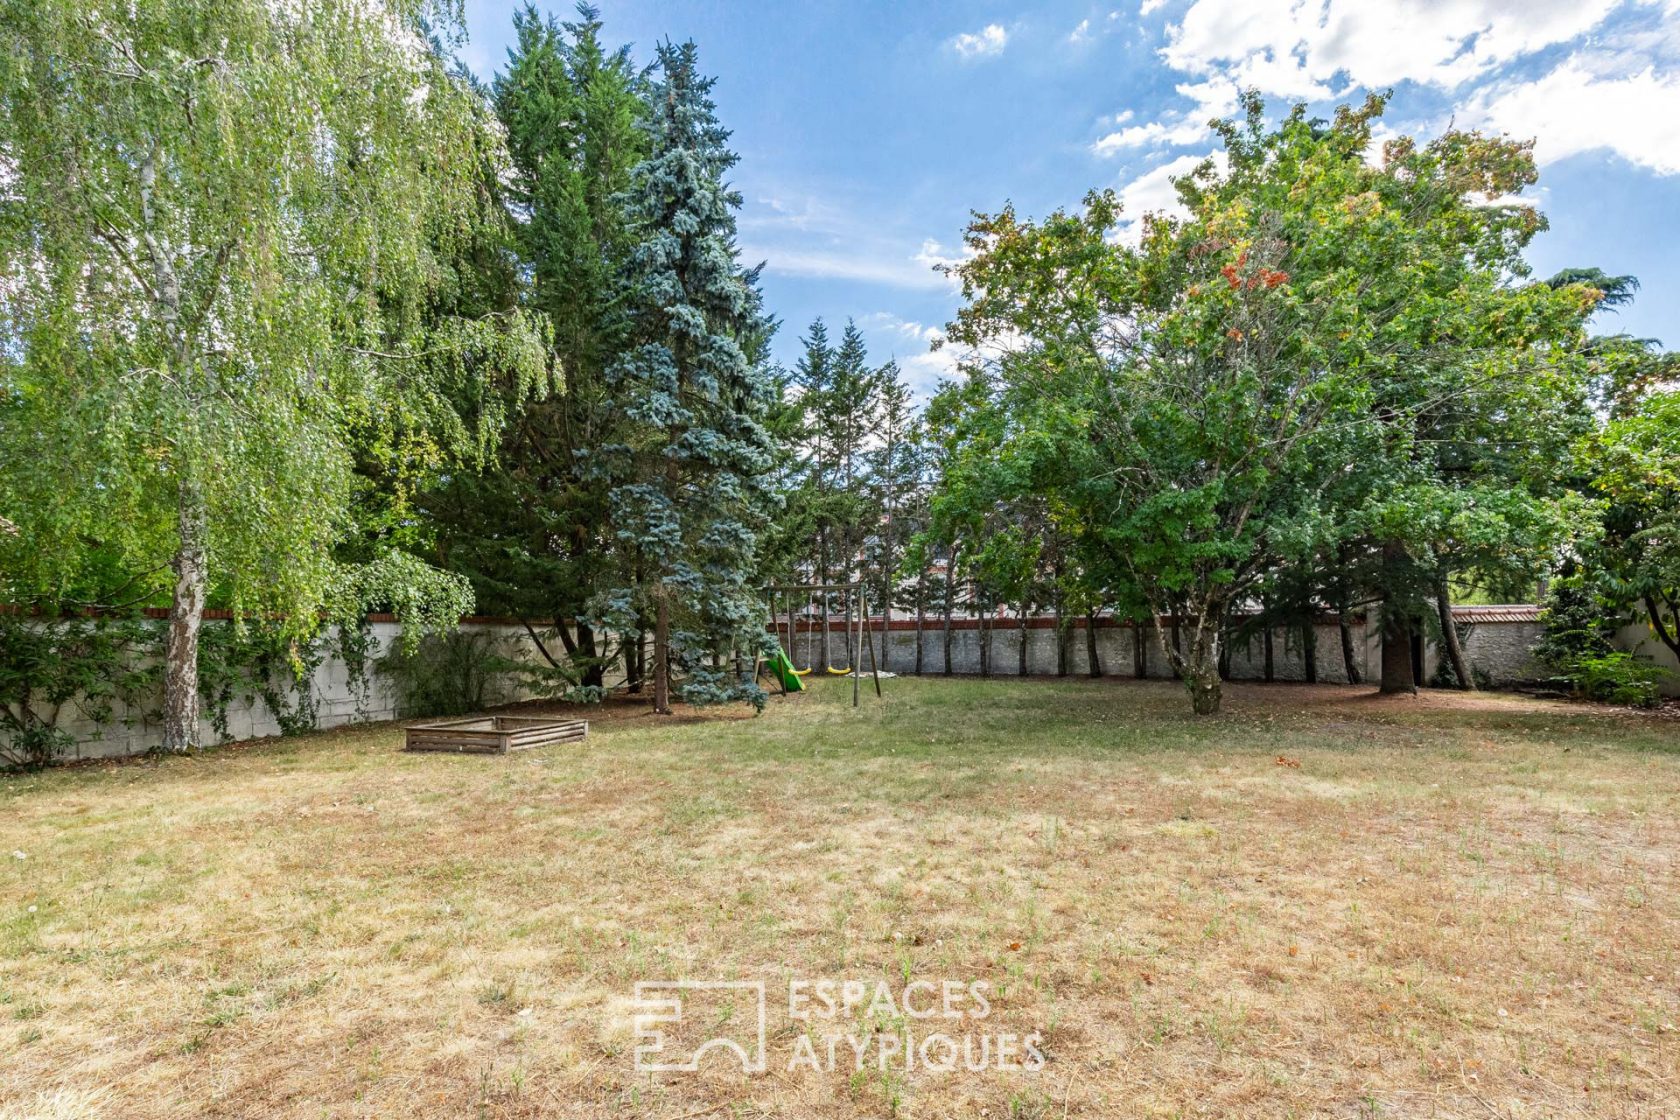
(221, 239)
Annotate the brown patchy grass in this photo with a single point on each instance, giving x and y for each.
(1453, 906)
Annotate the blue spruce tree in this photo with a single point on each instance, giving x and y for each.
(690, 499)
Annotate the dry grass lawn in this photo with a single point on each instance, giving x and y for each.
(1451, 907)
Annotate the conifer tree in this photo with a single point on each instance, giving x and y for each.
(691, 493)
(531, 532)
(892, 467)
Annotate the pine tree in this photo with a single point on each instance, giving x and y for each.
(691, 495)
(852, 403)
(531, 533)
(892, 467)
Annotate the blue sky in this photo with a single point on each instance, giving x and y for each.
(869, 130)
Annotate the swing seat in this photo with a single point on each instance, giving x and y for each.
(804, 672)
(837, 672)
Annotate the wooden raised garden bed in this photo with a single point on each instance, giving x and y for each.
(495, 734)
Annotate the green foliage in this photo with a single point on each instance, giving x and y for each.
(1322, 356)
(425, 600)
(1618, 677)
(445, 674)
(84, 667)
(225, 311)
(100, 669)
(1580, 622)
(237, 264)
(690, 479)
(254, 660)
(530, 530)
(1634, 466)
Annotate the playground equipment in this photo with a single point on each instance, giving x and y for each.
(784, 672)
(856, 636)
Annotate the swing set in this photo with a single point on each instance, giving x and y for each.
(857, 636)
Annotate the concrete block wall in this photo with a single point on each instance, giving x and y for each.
(1116, 645)
(1498, 641)
(339, 701)
(1638, 637)
(1502, 650)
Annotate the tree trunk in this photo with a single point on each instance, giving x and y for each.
(1140, 650)
(1021, 671)
(921, 623)
(887, 599)
(1660, 625)
(1093, 663)
(822, 596)
(662, 657)
(186, 616)
(1175, 659)
(1309, 650)
(851, 663)
(594, 673)
(1350, 667)
(1201, 678)
(950, 605)
(1198, 667)
(1397, 654)
(634, 666)
(1266, 644)
(1449, 636)
(1061, 639)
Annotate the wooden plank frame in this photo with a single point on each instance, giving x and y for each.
(492, 734)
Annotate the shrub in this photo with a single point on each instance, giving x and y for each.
(1579, 624)
(443, 674)
(1618, 677)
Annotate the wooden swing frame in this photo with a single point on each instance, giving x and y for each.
(856, 637)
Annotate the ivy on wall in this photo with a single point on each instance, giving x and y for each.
(52, 671)
(105, 670)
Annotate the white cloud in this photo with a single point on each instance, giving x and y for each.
(869, 265)
(1576, 108)
(1154, 134)
(1618, 88)
(1153, 192)
(798, 233)
(988, 42)
(1082, 33)
(1150, 7)
(1285, 46)
(910, 344)
(933, 256)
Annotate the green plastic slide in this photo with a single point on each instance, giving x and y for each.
(783, 670)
